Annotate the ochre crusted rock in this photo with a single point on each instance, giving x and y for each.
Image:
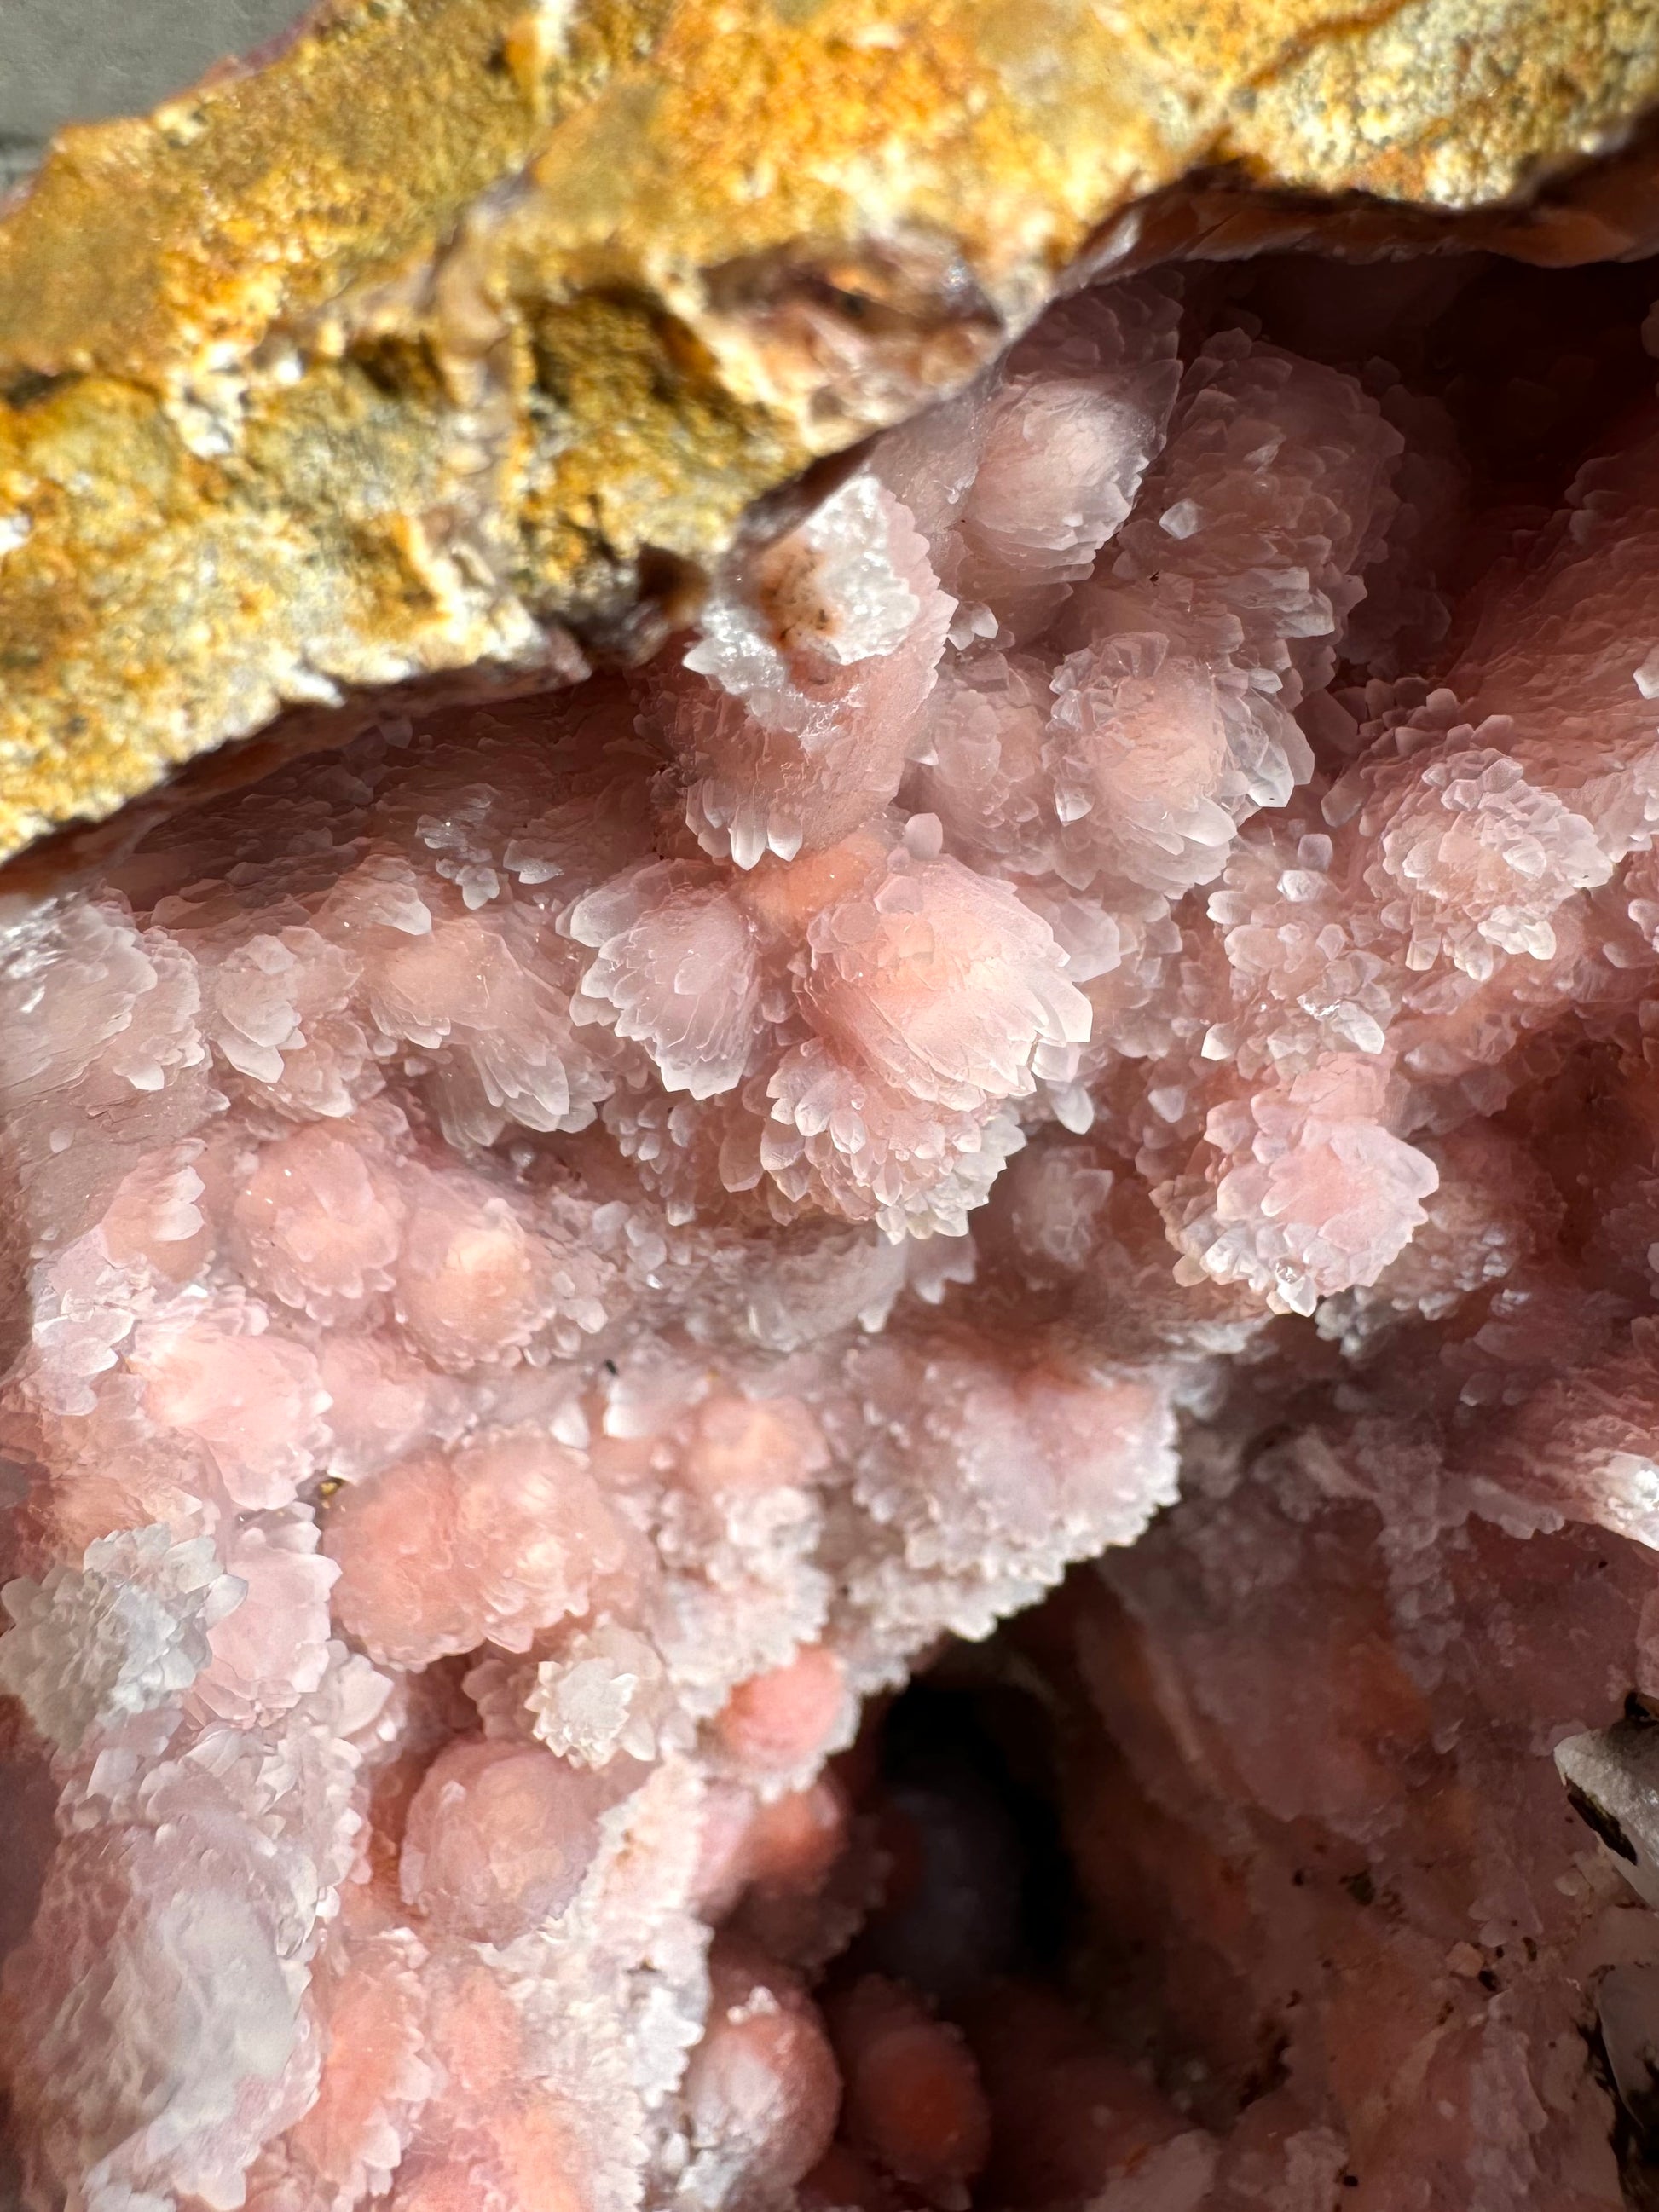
(459, 326)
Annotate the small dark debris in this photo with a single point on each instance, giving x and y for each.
(1597, 1817)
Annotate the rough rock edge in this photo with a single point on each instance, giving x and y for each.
(456, 333)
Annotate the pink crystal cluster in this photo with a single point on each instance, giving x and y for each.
(556, 1250)
(1373, 1956)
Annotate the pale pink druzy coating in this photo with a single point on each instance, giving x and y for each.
(376, 2072)
(473, 1281)
(816, 658)
(316, 1223)
(556, 1248)
(490, 2136)
(785, 1719)
(943, 984)
(761, 2089)
(914, 2098)
(253, 1399)
(495, 1541)
(679, 969)
(498, 1839)
(738, 1446)
(1322, 1195)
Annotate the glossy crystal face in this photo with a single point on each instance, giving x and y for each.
(558, 1249)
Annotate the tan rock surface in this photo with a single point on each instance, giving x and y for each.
(461, 327)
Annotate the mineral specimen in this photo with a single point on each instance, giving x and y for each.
(456, 326)
(559, 1250)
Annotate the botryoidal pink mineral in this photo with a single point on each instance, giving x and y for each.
(557, 1250)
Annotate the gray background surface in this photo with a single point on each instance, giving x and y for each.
(64, 61)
